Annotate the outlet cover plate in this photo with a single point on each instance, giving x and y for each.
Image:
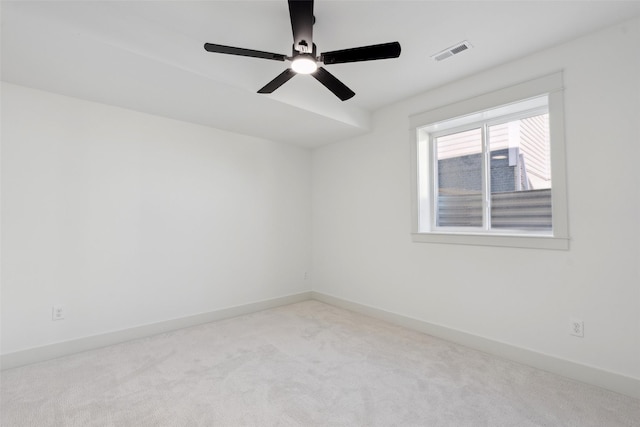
(57, 313)
(576, 327)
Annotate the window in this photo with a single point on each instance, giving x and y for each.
(490, 170)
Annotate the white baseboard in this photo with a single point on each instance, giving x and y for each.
(587, 374)
(65, 348)
(584, 373)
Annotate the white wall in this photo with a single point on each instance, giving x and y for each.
(128, 219)
(362, 250)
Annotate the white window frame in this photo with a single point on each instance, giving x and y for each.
(423, 222)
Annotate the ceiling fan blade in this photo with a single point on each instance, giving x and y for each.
(333, 84)
(301, 14)
(364, 53)
(274, 84)
(218, 48)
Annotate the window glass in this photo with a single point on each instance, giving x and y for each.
(459, 166)
(520, 174)
(496, 175)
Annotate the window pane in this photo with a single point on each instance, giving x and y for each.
(521, 174)
(459, 157)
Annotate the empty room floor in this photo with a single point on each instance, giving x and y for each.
(305, 364)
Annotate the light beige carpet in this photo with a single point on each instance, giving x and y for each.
(306, 364)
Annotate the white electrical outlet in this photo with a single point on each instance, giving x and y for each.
(576, 327)
(306, 275)
(57, 313)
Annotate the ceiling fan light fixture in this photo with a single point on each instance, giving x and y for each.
(304, 64)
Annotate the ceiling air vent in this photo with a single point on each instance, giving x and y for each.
(453, 50)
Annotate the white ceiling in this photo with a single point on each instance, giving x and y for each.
(148, 55)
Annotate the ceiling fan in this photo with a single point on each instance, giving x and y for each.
(304, 59)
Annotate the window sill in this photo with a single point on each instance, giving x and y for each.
(511, 241)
